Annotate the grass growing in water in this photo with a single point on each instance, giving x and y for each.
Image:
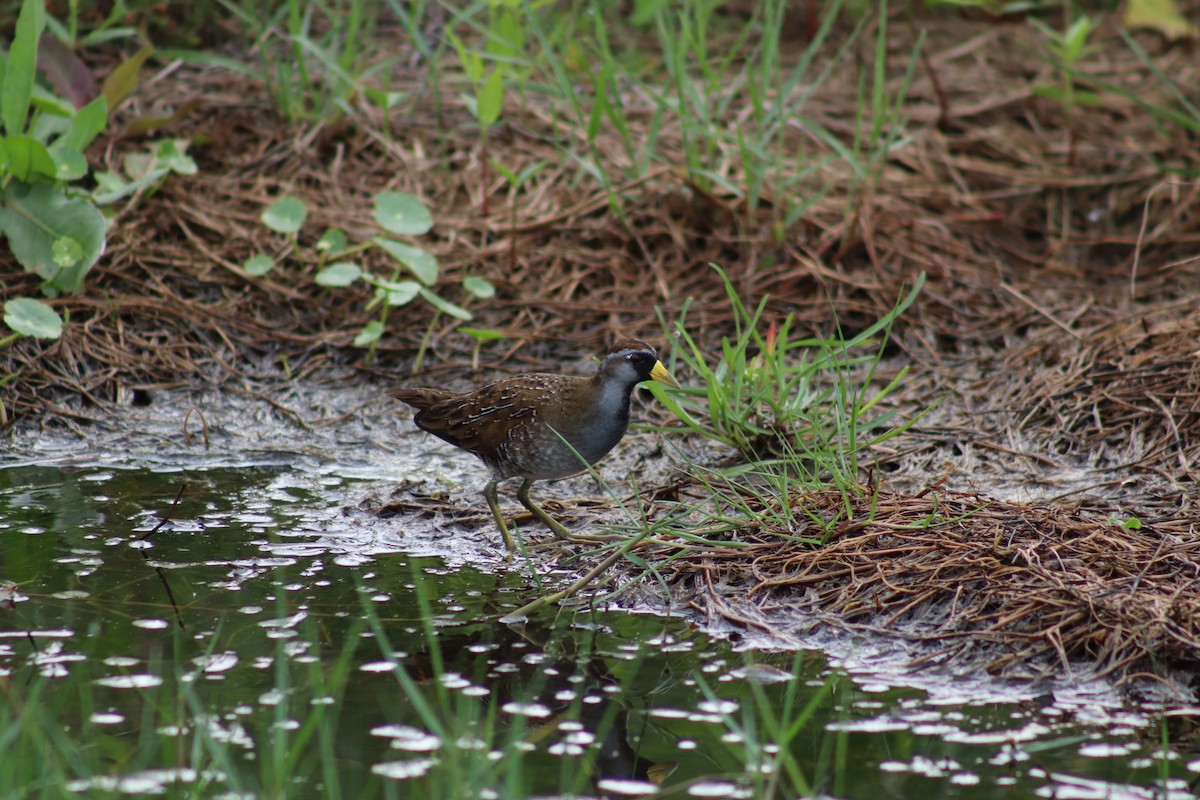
(599, 711)
(387, 692)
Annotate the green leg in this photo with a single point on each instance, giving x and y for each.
(550, 522)
(489, 493)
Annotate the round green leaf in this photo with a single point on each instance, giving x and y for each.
(66, 251)
(343, 273)
(71, 165)
(370, 334)
(458, 312)
(423, 265)
(32, 318)
(332, 241)
(173, 153)
(259, 266)
(36, 218)
(480, 287)
(400, 293)
(285, 215)
(402, 214)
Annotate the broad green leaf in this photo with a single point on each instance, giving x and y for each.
(445, 305)
(51, 105)
(123, 81)
(332, 241)
(343, 273)
(423, 265)
(29, 160)
(285, 215)
(402, 214)
(35, 218)
(259, 265)
(32, 318)
(69, 165)
(21, 67)
(491, 99)
(86, 125)
(370, 334)
(480, 287)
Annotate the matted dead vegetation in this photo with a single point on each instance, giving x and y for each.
(1025, 590)
(1024, 219)
(1135, 381)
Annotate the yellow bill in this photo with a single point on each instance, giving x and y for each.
(661, 375)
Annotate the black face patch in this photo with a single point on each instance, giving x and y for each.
(642, 361)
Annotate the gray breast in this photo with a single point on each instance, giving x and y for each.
(539, 451)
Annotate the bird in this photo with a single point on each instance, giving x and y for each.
(540, 426)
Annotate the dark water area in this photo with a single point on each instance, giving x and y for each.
(269, 635)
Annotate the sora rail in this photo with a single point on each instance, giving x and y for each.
(540, 426)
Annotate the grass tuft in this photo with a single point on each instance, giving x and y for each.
(805, 402)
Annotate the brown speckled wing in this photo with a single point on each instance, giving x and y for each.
(482, 421)
(432, 405)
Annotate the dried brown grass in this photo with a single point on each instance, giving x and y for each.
(1019, 590)
(995, 191)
